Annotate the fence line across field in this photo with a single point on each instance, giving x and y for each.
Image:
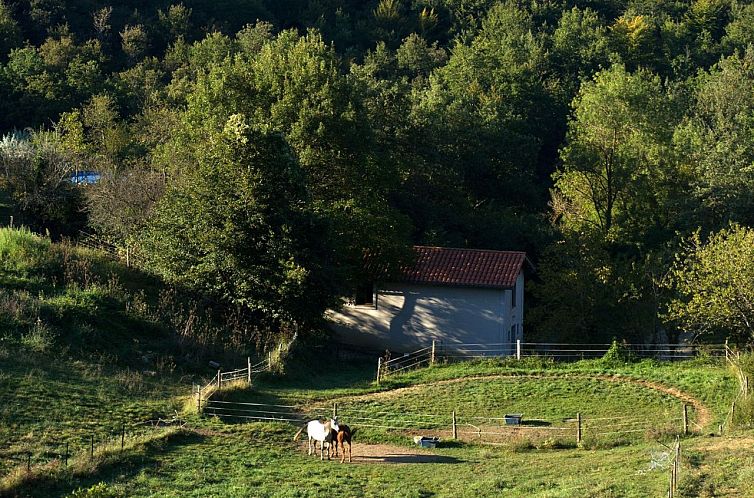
(559, 351)
(81, 445)
(454, 423)
(204, 393)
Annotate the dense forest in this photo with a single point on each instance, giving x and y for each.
(253, 152)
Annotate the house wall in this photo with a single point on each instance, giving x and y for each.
(517, 312)
(407, 317)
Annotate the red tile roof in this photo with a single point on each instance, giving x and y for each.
(464, 267)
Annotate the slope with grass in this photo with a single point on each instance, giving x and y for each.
(226, 458)
(82, 352)
(80, 356)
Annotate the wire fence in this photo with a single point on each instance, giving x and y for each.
(203, 393)
(391, 364)
(565, 430)
(44, 450)
(675, 468)
(129, 255)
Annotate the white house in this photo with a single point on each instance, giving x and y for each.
(456, 296)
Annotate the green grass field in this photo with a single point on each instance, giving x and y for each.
(218, 458)
(80, 358)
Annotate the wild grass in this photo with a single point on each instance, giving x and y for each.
(83, 466)
(261, 460)
(43, 407)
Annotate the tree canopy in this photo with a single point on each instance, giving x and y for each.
(256, 152)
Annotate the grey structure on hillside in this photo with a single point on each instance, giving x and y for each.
(455, 296)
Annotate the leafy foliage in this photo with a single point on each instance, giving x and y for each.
(239, 228)
(574, 132)
(714, 282)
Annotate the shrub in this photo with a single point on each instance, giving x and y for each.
(39, 339)
(21, 250)
(618, 354)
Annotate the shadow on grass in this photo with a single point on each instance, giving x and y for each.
(535, 423)
(411, 459)
(121, 466)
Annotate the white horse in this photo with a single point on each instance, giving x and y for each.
(319, 431)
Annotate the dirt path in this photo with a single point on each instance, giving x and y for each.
(391, 454)
(703, 414)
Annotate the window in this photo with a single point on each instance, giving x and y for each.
(364, 295)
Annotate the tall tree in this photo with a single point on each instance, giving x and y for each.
(239, 228)
(617, 161)
(717, 142)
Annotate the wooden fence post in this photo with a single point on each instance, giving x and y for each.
(518, 349)
(379, 368)
(732, 410)
(455, 429)
(269, 360)
(248, 369)
(122, 437)
(91, 448)
(199, 401)
(334, 410)
(685, 419)
(432, 356)
(28, 457)
(219, 376)
(578, 428)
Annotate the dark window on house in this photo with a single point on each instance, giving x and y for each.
(364, 295)
(513, 296)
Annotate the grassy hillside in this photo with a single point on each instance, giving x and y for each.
(83, 352)
(83, 348)
(260, 459)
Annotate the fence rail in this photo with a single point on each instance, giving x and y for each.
(43, 452)
(439, 351)
(565, 429)
(203, 393)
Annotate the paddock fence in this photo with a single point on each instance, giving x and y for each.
(392, 363)
(565, 430)
(675, 468)
(733, 358)
(54, 448)
(203, 393)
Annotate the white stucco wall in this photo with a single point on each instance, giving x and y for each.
(407, 317)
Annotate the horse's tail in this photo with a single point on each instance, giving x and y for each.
(295, 438)
(353, 431)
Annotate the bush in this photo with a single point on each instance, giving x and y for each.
(39, 339)
(21, 250)
(618, 354)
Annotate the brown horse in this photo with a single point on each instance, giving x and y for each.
(344, 436)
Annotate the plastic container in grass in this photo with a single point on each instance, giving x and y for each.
(513, 418)
(427, 442)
